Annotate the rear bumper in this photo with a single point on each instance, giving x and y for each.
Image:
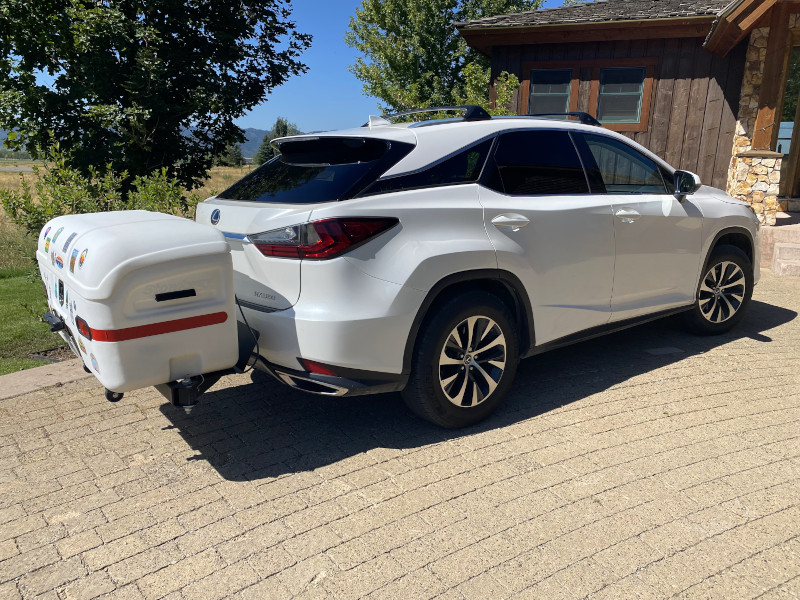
(350, 383)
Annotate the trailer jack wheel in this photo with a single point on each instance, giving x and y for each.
(114, 396)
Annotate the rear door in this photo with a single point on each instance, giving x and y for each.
(658, 237)
(549, 230)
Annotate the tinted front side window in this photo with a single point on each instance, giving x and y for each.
(463, 167)
(537, 162)
(318, 170)
(623, 169)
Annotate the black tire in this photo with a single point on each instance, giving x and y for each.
(114, 396)
(469, 377)
(723, 293)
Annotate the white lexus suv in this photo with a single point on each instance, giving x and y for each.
(429, 257)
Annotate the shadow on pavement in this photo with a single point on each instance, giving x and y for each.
(264, 429)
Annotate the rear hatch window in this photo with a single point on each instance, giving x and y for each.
(324, 169)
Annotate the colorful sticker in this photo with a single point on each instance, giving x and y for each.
(59, 262)
(83, 258)
(81, 346)
(71, 237)
(72, 260)
(46, 231)
(94, 363)
(47, 245)
(56, 234)
(71, 313)
(53, 257)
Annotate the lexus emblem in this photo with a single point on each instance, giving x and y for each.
(215, 216)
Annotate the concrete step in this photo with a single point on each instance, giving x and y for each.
(787, 268)
(786, 251)
(786, 259)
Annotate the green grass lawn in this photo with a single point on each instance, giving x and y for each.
(21, 331)
(22, 301)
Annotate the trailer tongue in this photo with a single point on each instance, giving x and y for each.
(144, 299)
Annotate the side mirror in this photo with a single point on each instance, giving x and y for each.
(686, 183)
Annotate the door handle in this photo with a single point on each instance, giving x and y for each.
(627, 215)
(510, 222)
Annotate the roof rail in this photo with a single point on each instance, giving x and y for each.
(583, 117)
(473, 112)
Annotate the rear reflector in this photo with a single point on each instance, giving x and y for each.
(313, 367)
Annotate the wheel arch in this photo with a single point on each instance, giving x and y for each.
(738, 237)
(506, 286)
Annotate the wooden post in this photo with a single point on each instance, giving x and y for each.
(772, 83)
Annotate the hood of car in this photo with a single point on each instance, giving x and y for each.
(718, 194)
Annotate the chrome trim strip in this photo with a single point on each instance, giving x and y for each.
(258, 307)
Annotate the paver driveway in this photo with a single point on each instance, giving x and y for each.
(645, 464)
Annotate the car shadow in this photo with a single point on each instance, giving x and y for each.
(264, 429)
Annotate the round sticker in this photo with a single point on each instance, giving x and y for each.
(83, 258)
(94, 363)
(59, 262)
(81, 346)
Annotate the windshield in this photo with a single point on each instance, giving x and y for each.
(325, 169)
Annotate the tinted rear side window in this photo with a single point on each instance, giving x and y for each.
(537, 162)
(324, 169)
(463, 167)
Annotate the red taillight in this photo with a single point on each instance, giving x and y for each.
(323, 239)
(83, 328)
(313, 367)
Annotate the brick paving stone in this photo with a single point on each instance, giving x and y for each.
(608, 473)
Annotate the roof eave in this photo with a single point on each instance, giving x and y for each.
(483, 39)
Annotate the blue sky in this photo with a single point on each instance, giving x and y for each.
(328, 96)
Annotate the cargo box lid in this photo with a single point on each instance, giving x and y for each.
(94, 251)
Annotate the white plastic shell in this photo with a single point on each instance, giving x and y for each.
(155, 290)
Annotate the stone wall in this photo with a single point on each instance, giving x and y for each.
(752, 177)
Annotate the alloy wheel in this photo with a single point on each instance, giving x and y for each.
(722, 292)
(472, 361)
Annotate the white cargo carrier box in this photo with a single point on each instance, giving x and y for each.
(145, 298)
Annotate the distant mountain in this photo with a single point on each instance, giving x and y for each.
(249, 148)
(254, 138)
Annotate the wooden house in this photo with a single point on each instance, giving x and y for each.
(711, 86)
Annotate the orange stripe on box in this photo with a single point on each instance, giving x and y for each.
(140, 331)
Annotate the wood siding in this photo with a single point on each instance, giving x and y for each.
(694, 100)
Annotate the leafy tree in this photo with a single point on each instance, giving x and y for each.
(60, 189)
(281, 128)
(137, 86)
(232, 157)
(412, 54)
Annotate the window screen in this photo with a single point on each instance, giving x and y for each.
(623, 169)
(620, 97)
(537, 162)
(550, 89)
(463, 167)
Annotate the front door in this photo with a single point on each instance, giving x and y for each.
(658, 237)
